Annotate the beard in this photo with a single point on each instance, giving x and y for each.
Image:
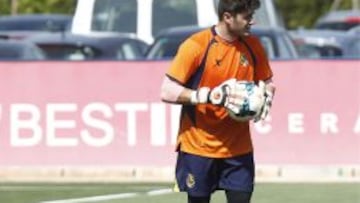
(241, 32)
(246, 30)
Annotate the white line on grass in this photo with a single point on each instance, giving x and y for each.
(95, 198)
(159, 192)
(110, 197)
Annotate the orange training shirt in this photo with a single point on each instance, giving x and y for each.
(205, 129)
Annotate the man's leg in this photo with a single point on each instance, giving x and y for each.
(192, 199)
(233, 196)
(237, 178)
(196, 176)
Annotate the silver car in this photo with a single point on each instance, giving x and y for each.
(326, 44)
(68, 46)
(339, 20)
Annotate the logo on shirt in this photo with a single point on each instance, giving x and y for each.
(190, 180)
(243, 60)
(218, 62)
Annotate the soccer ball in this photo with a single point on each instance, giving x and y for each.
(252, 103)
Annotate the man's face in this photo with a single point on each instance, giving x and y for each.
(240, 24)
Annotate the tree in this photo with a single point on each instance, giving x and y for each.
(5, 7)
(38, 6)
(47, 6)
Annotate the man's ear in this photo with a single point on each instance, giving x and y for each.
(227, 16)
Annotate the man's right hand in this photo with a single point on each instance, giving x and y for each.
(220, 94)
(228, 94)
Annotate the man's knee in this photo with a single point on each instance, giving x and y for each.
(238, 196)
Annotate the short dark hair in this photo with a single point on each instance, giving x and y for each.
(236, 6)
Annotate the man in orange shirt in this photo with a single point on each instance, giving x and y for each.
(214, 150)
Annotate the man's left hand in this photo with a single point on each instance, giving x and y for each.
(269, 96)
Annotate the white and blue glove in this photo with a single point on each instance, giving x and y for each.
(265, 110)
(253, 98)
(229, 94)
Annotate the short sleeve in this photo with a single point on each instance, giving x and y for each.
(262, 70)
(186, 61)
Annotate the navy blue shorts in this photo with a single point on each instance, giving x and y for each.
(201, 176)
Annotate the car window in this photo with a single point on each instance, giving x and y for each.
(69, 52)
(33, 52)
(278, 45)
(165, 48)
(172, 13)
(115, 15)
(308, 51)
(286, 47)
(128, 52)
(330, 51)
(268, 45)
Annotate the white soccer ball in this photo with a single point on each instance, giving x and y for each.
(252, 103)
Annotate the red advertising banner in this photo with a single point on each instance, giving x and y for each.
(110, 113)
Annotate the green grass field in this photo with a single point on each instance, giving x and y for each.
(139, 193)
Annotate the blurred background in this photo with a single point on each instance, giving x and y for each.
(81, 119)
(133, 30)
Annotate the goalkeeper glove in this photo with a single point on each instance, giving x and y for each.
(269, 95)
(229, 94)
(252, 102)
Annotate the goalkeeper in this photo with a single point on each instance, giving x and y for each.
(215, 151)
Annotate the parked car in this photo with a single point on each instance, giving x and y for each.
(67, 46)
(354, 30)
(326, 43)
(276, 41)
(148, 18)
(19, 50)
(22, 26)
(339, 20)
